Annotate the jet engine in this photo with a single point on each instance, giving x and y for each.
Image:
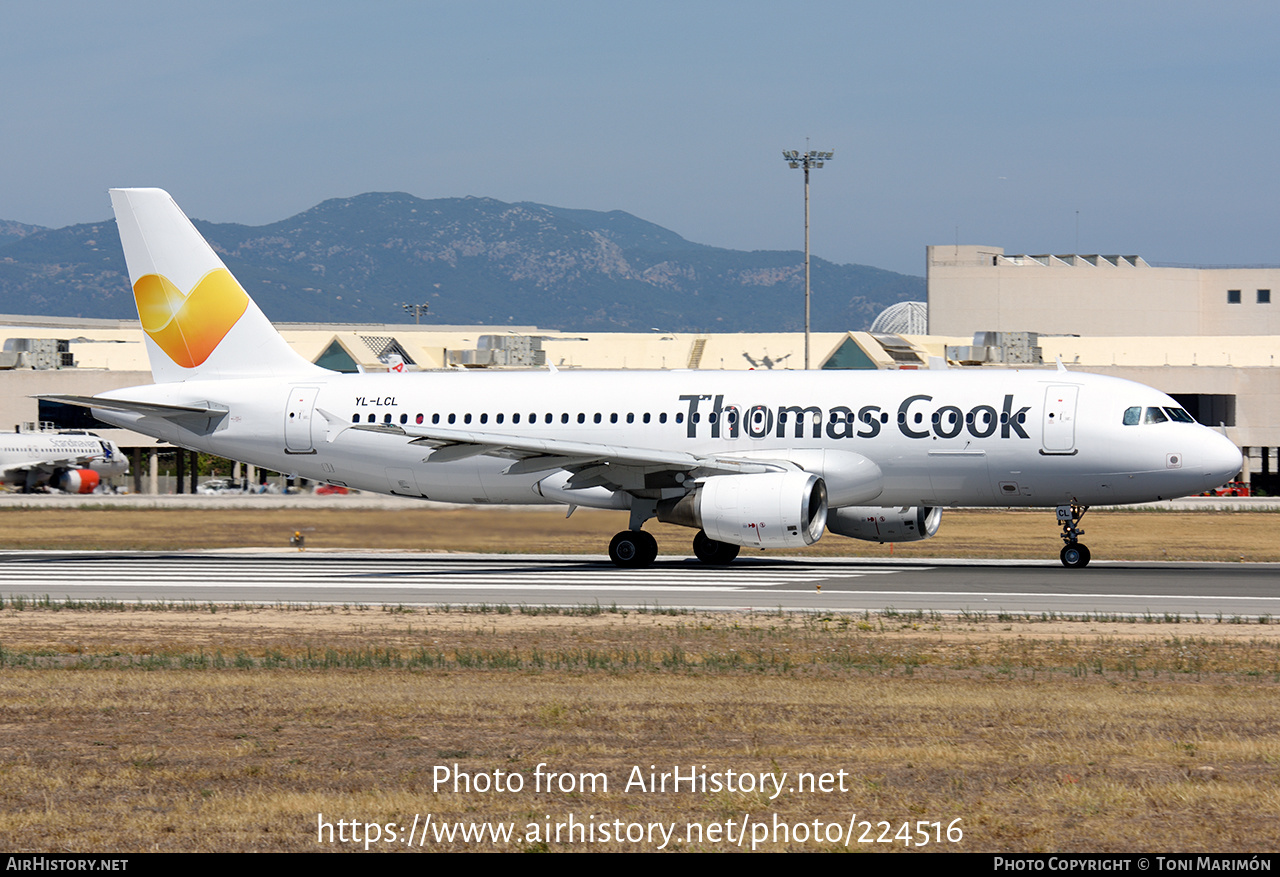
(768, 510)
(78, 481)
(908, 524)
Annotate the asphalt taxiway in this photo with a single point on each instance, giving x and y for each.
(762, 583)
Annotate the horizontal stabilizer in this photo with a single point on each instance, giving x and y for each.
(154, 409)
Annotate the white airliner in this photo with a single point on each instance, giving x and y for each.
(74, 462)
(757, 459)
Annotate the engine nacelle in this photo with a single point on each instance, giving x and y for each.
(909, 524)
(768, 510)
(78, 481)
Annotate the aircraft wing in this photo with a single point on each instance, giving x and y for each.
(13, 470)
(78, 461)
(535, 454)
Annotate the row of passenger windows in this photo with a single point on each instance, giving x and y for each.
(730, 416)
(449, 419)
(1133, 416)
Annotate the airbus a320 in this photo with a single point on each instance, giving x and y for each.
(747, 459)
(73, 462)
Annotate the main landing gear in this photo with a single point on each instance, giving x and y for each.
(710, 551)
(1075, 555)
(633, 549)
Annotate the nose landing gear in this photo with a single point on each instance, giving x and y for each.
(1075, 555)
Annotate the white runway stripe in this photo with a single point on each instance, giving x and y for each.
(29, 573)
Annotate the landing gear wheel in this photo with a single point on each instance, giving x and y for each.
(710, 551)
(633, 549)
(1075, 556)
(650, 548)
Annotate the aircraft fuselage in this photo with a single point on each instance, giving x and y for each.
(1008, 438)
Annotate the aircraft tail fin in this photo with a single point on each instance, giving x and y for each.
(199, 321)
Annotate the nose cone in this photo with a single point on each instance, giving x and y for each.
(1219, 457)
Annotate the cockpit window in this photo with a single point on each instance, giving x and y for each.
(1155, 415)
(1133, 416)
(1179, 415)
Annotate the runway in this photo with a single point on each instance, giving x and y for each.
(750, 583)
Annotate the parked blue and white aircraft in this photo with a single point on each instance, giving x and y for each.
(754, 459)
(73, 462)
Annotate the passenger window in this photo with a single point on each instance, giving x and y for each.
(419, 419)
(453, 418)
(355, 418)
(404, 418)
(498, 419)
(1155, 415)
(597, 418)
(646, 417)
(631, 418)
(1133, 416)
(435, 418)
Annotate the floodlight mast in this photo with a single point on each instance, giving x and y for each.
(417, 310)
(807, 159)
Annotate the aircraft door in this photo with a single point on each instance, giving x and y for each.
(1060, 419)
(299, 413)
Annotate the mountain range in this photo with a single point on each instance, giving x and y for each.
(473, 261)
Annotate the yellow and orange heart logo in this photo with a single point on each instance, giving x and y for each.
(189, 328)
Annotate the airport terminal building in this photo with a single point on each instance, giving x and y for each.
(1207, 336)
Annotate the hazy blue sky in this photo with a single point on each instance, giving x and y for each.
(1156, 123)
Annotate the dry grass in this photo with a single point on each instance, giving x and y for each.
(217, 729)
(1037, 735)
(1222, 536)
